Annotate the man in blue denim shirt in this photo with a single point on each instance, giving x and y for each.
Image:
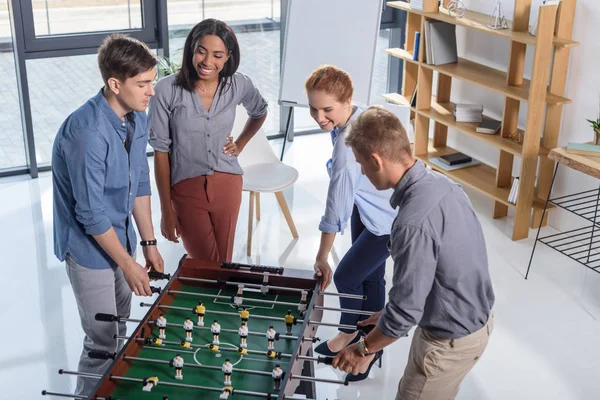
(100, 179)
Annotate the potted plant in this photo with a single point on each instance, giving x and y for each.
(166, 66)
(596, 126)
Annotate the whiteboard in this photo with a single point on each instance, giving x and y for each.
(336, 32)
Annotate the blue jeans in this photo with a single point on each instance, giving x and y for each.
(362, 272)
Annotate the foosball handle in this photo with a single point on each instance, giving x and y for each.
(106, 317)
(253, 267)
(324, 360)
(101, 354)
(159, 275)
(155, 289)
(365, 329)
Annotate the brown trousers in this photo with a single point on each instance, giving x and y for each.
(437, 366)
(207, 207)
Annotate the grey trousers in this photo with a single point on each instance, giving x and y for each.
(98, 291)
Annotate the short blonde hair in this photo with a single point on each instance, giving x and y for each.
(377, 130)
(332, 80)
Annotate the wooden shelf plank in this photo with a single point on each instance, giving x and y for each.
(490, 78)
(478, 21)
(401, 53)
(397, 99)
(481, 177)
(443, 113)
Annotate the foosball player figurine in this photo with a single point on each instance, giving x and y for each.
(185, 344)
(289, 321)
(243, 332)
(157, 341)
(215, 328)
(200, 310)
(271, 338)
(277, 375)
(238, 299)
(227, 370)
(302, 306)
(264, 289)
(271, 354)
(149, 383)
(243, 351)
(213, 347)
(161, 323)
(165, 397)
(188, 325)
(225, 393)
(245, 314)
(178, 364)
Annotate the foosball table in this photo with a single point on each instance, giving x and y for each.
(219, 331)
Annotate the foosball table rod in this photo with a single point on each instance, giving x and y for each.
(311, 379)
(205, 347)
(115, 318)
(250, 285)
(344, 310)
(217, 296)
(364, 329)
(347, 296)
(206, 388)
(74, 396)
(299, 321)
(153, 360)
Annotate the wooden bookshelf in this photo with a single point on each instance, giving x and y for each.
(478, 21)
(543, 93)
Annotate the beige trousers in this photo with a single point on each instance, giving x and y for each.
(437, 366)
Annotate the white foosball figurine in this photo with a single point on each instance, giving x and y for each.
(243, 332)
(302, 306)
(200, 310)
(238, 299)
(227, 370)
(188, 325)
(161, 323)
(277, 375)
(271, 338)
(215, 328)
(178, 364)
(264, 289)
(149, 383)
(225, 393)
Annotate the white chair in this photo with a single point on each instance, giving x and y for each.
(263, 173)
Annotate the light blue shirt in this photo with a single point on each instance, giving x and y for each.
(348, 186)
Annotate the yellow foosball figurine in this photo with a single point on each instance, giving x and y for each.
(149, 383)
(213, 347)
(245, 314)
(157, 341)
(289, 321)
(242, 351)
(185, 344)
(200, 310)
(271, 354)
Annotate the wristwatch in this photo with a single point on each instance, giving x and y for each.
(362, 347)
(145, 243)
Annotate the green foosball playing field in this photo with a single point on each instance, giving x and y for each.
(251, 372)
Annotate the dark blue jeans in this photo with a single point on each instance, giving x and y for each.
(362, 272)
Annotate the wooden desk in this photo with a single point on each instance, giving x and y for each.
(583, 244)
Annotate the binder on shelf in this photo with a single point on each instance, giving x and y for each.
(440, 43)
(416, 46)
(489, 126)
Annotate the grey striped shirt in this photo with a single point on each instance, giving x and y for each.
(180, 125)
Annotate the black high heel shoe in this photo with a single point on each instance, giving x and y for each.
(364, 375)
(324, 350)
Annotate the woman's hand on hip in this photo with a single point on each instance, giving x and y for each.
(231, 148)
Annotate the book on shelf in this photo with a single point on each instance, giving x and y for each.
(455, 158)
(416, 46)
(489, 126)
(514, 191)
(436, 161)
(440, 43)
(468, 112)
(584, 149)
(468, 107)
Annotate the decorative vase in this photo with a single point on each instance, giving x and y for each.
(597, 137)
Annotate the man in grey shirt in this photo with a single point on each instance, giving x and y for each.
(441, 280)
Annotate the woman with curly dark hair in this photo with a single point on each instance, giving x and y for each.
(191, 118)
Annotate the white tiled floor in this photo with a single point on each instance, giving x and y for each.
(544, 345)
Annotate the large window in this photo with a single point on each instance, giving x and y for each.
(57, 87)
(12, 145)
